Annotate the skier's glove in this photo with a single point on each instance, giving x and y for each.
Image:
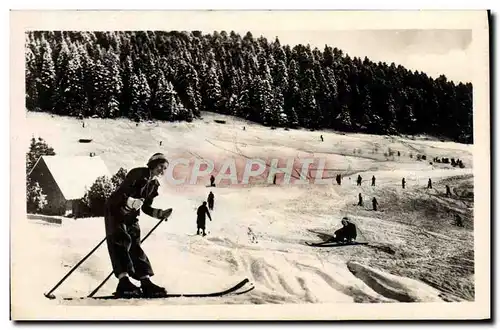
(164, 214)
(134, 203)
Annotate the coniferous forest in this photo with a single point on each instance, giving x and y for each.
(158, 75)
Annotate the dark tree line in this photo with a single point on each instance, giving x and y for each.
(175, 75)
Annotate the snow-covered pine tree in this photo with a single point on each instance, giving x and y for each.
(280, 76)
(114, 85)
(47, 82)
(331, 81)
(100, 88)
(366, 119)
(343, 120)
(293, 119)
(172, 102)
(213, 91)
(192, 90)
(279, 118)
(36, 200)
(31, 76)
(141, 95)
(161, 106)
(310, 107)
(74, 95)
(87, 65)
(244, 98)
(127, 70)
(292, 96)
(265, 95)
(61, 79)
(183, 113)
(323, 95)
(263, 102)
(389, 115)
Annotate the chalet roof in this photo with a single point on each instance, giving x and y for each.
(74, 174)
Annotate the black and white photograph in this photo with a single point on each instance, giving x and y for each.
(239, 165)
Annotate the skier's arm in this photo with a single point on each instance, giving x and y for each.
(125, 189)
(149, 210)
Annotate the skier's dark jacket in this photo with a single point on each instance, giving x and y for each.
(348, 231)
(136, 185)
(202, 210)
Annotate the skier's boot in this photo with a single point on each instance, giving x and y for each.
(127, 289)
(150, 290)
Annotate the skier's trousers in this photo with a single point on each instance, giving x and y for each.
(123, 237)
(200, 222)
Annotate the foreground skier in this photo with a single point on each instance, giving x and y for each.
(123, 234)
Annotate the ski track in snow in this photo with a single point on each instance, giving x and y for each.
(258, 232)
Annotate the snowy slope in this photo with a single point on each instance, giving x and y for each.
(259, 230)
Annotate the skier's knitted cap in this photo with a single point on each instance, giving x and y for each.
(156, 157)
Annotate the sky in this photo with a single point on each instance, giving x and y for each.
(434, 52)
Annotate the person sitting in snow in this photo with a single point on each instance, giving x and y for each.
(200, 220)
(123, 234)
(347, 233)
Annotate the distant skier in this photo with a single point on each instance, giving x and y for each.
(200, 220)
(321, 136)
(448, 191)
(403, 182)
(399, 154)
(123, 233)
(359, 180)
(212, 181)
(244, 128)
(274, 179)
(360, 200)
(429, 184)
(161, 143)
(210, 200)
(374, 203)
(373, 180)
(339, 179)
(348, 232)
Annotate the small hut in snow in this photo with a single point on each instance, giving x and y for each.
(65, 179)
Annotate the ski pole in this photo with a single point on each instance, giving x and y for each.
(49, 294)
(110, 274)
